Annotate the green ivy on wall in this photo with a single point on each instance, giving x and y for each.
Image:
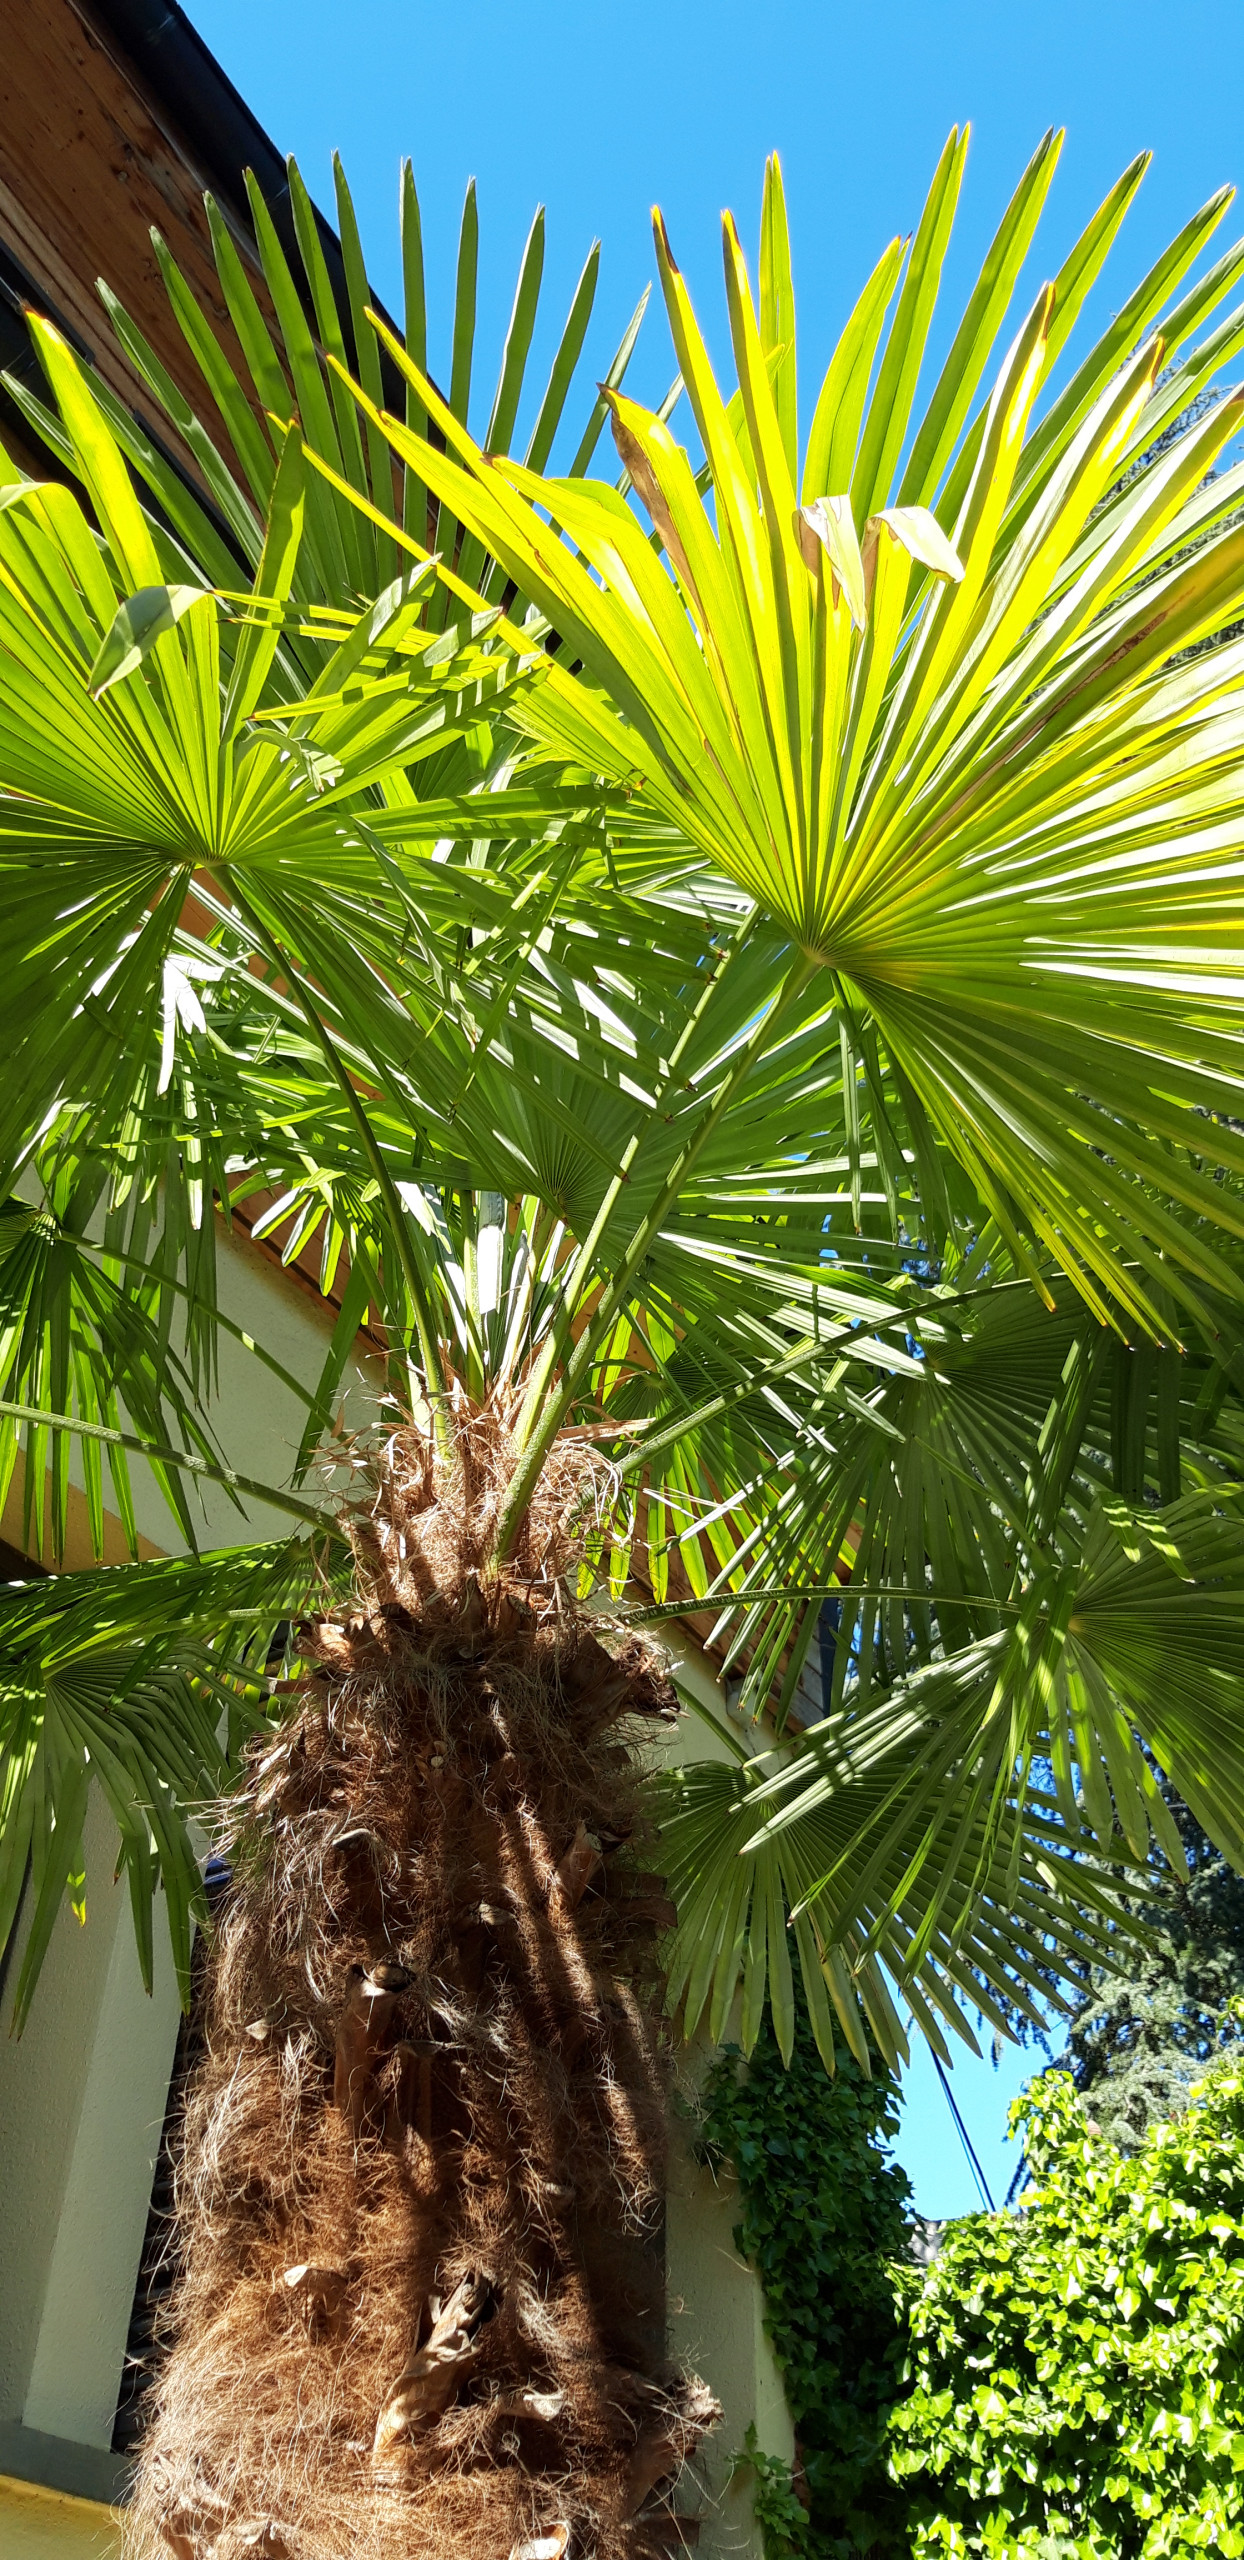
(823, 2215)
(1076, 2380)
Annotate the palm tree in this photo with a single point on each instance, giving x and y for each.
(747, 1011)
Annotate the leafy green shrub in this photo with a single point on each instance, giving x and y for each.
(824, 2213)
(1077, 2368)
(781, 2513)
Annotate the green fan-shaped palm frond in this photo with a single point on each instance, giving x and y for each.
(999, 1438)
(694, 1036)
(141, 1680)
(193, 748)
(1137, 1642)
(73, 1340)
(871, 1931)
(1004, 1640)
(938, 720)
(267, 367)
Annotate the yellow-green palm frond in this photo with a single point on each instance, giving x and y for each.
(928, 701)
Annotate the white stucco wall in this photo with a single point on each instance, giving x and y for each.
(89, 2281)
(716, 2305)
(44, 2079)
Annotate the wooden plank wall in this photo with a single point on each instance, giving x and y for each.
(89, 163)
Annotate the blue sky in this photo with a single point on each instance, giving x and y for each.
(598, 112)
(929, 2145)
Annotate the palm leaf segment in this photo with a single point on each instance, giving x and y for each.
(140, 1045)
(1013, 1647)
(206, 788)
(141, 1682)
(283, 319)
(924, 697)
(938, 722)
(727, 1360)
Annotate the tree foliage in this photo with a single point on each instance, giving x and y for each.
(1076, 2368)
(1146, 2029)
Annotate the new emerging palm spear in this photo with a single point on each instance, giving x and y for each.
(750, 1011)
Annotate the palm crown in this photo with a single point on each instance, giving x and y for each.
(750, 1001)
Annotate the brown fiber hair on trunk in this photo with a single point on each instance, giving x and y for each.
(421, 2300)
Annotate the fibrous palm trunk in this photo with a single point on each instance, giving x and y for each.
(421, 2303)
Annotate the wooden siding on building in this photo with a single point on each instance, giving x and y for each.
(116, 120)
(88, 165)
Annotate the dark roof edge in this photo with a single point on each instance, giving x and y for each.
(183, 75)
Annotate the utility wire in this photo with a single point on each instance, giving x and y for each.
(964, 2136)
